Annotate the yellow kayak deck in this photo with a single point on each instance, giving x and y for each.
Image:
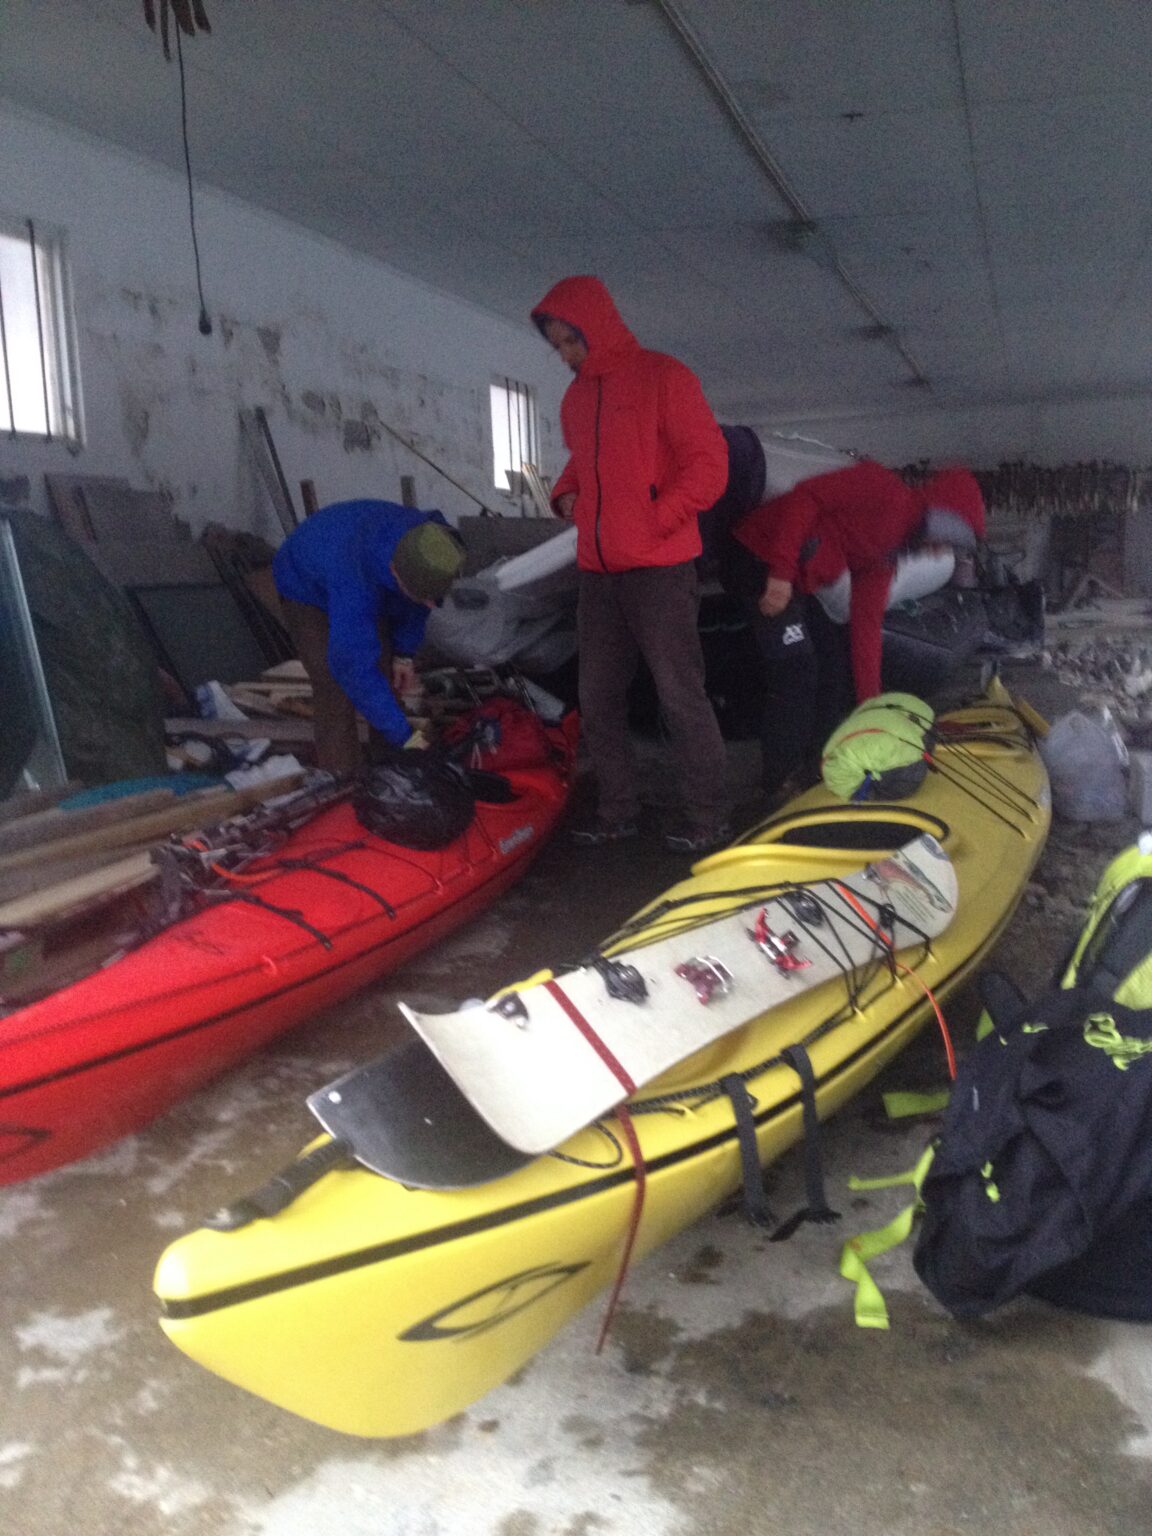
(379, 1310)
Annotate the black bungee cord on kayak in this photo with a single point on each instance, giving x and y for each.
(881, 933)
(289, 914)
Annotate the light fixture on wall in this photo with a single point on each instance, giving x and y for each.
(190, 17)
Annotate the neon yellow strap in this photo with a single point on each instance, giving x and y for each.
(901, 1106)
(1102, 1031)
(871, 1310)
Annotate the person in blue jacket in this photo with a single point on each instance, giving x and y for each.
(356, 581)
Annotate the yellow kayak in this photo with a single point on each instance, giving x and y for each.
(379, 1308)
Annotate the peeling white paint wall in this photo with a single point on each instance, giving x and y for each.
(332, 345)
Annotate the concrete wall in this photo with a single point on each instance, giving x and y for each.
(1040, 432)
(1051, 432)
(331, 344)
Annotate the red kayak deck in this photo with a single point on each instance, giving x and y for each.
(104, 1056)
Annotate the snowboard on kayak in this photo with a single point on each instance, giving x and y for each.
(544, 1060)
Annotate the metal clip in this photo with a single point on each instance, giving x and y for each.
(511, 1006)
(708, 975)
(804, 907)
(777, 946)
(624, 982)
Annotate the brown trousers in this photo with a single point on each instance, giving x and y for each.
(650, 612)
(334, 722)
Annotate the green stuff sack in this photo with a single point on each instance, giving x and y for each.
(881, 751)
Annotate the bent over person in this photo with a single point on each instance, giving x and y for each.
(646, 457)
(356, 582)
(855, 520)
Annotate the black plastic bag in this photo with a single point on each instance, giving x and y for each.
(416, 799)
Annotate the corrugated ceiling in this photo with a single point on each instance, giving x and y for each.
(975, 173)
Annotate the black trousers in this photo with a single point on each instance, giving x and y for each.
(807, 671)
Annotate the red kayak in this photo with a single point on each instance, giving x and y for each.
(102, 1057)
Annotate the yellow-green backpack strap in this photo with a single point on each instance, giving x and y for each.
(905, 1105)
(871, 1309)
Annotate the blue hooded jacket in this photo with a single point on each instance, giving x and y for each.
(339, 559)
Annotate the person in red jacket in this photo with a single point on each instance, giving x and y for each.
(646, 457)
(858, 520)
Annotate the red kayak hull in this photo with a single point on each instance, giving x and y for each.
(103, 1057)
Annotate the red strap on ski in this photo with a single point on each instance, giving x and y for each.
(629, 1132)
(554, 989)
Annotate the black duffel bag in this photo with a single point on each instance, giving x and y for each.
(415, 799)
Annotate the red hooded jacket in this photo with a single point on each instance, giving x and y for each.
(854, 519)
(646, 456)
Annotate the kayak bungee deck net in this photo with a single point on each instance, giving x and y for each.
(332, 910)
(379, 1308)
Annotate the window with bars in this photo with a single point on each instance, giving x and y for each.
(515, 439)
(37, 360)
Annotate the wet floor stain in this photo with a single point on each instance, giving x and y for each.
(808, 1427)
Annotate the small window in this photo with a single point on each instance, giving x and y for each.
(37, 372)
(514, 435)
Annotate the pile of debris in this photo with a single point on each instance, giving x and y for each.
(1112, 670)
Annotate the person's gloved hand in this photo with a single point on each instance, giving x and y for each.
(775, 598)
(416, 742)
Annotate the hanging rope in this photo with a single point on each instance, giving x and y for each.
(190, 19)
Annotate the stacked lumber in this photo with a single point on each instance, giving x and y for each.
(277, 707)
(78, 887)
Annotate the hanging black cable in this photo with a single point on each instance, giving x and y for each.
(205, 322)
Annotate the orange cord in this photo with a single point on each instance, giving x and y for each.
(949, 1051)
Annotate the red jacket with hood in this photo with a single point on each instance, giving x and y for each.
(646, 456)
(854, 520)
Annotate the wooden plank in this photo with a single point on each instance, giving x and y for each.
(295, 731)
(254, 703)
(55, 902)
(28, 802)
(66, 492)
(188, 813)
(158, 563)
(286, 672)
(49, 826)
(21, 882)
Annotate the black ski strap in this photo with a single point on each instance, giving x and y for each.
(817, 1210)
(756, 1207)
(280, 1190)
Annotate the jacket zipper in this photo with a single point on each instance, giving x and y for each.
(596, 461)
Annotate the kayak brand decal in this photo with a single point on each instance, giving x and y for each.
(495, 1304)
(902, 873)
(514, 839)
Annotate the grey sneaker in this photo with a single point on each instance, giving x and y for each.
(597, 833)
(691, 839)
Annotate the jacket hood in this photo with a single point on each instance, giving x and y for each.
(956, 490)
(586, 305)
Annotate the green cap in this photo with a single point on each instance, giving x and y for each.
(427, 560)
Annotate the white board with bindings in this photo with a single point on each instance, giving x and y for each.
(542, 1061)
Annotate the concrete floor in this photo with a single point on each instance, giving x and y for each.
(735, 1395)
